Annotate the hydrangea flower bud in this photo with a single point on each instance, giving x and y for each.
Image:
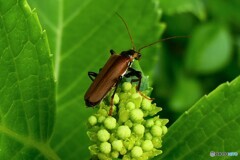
(123, 132)
(105, 147)
(103, 135)
(146, 105)
(110, 123)
(126, 86)
(92, 120)
(101, 119)
(149, 123)
(156, 131)
(136, 115)
(114, 154)
(130, 106)
(147, 145)
(117, 145)
(164, 129)
(136, 152)
(148, 136)
(128, 133)
(139, 129)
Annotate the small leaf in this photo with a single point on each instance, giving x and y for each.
(194, 6)
(27, 99)
(209, 50)
(212, 124)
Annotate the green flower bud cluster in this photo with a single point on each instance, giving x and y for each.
(133, 131)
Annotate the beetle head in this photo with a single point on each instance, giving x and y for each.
(131, 54)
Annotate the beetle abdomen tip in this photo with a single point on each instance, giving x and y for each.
(90, 104)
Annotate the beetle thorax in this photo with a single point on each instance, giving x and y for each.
(132, 54)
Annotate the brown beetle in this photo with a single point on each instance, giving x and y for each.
(117, 66)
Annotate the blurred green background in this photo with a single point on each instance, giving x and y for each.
(192, 67)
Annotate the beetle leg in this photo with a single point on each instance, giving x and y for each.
(111, 102)
(91, 75)
(112, 52)
(137, 74)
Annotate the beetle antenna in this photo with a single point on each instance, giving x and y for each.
(161, 40)
(133, 45)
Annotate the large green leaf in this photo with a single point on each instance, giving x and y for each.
(81, 33)
(27, 102)
(212, 124)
